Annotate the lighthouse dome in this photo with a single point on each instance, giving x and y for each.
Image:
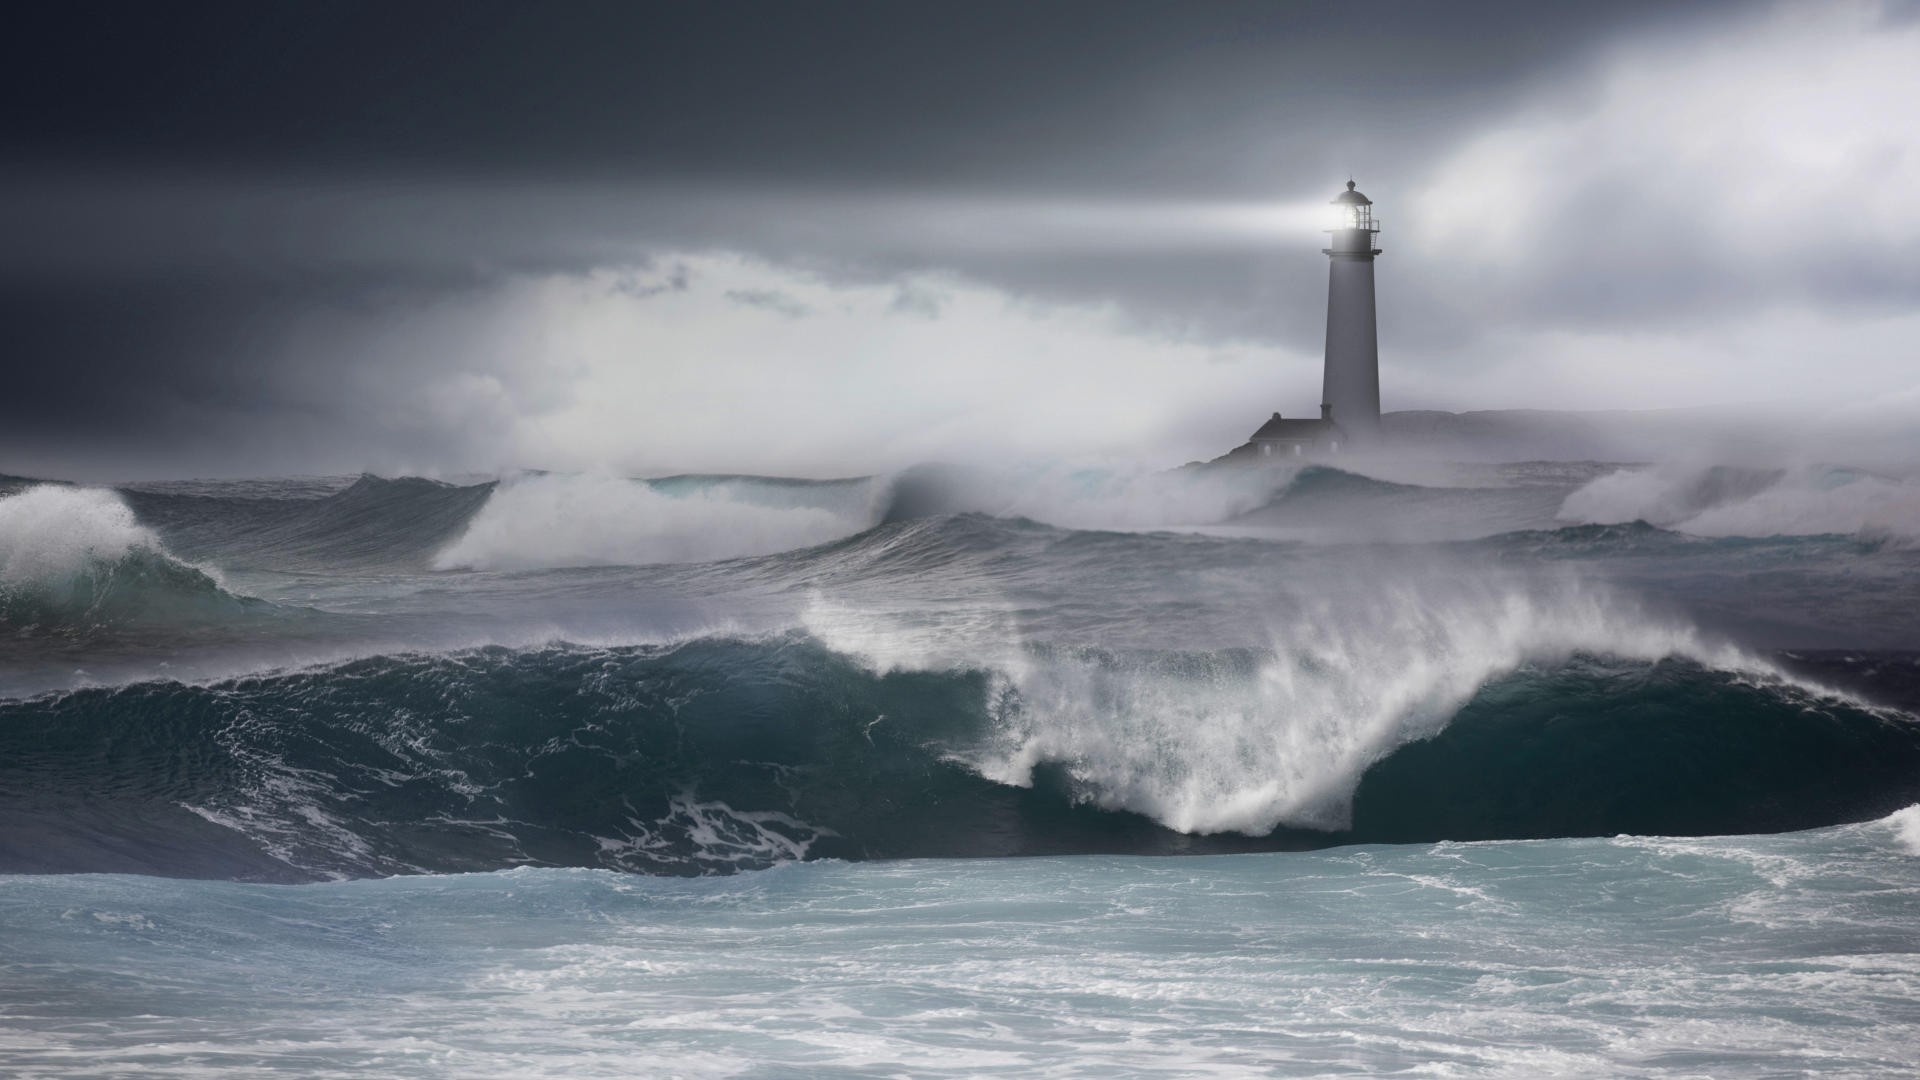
(1351, 197)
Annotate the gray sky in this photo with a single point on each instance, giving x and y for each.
(787, 238)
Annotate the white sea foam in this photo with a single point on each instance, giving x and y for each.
(51, 534)
(719, 833)
(1906, 827)
(547, 521)
(1227, 967)
(1283, 739)
(1718, 501)
(1341, 689)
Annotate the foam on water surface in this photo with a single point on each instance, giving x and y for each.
(1636, 957)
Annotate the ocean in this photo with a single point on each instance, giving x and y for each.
(1543, 768)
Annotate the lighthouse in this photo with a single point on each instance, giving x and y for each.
(1350, 383)
(1350, 387)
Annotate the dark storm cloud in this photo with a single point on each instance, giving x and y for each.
(868, 94)
(181, 184)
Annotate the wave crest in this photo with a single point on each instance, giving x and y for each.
(550, 521)
(1722, 501)
(76, 556)
(1906, 827)
(1249, 742)
(723, 754)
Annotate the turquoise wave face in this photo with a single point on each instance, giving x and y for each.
(716, 754)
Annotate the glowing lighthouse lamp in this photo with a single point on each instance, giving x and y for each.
(1350, 387)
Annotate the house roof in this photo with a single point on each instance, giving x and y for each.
(1278, 428)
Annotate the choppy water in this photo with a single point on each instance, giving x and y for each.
(1772, 955)
(508, 732)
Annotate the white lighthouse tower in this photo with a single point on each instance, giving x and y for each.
(1350, 387)
(1350, 392)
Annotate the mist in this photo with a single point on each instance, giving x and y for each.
(1696, 212)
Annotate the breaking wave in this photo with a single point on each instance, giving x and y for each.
(718, 754)
(1906, 827)
(73, 558)
(1245, 740)
(553, 520)
(1726, 501)
(873, 673)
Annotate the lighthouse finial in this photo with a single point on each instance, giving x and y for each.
(1349, 182)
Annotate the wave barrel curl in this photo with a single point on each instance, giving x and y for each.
(720, 754)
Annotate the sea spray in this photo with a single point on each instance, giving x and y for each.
(71, 558)
(558, 520)
(1662, 495)
(1249, 740)
(52, 533)
(1828, 501)
(1721, 501)
(1906, 828)
(716, 755)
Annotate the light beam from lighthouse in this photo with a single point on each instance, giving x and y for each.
(1350, 390)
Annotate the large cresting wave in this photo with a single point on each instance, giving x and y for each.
(74, 559)
(717, 754)
(1248, 740)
